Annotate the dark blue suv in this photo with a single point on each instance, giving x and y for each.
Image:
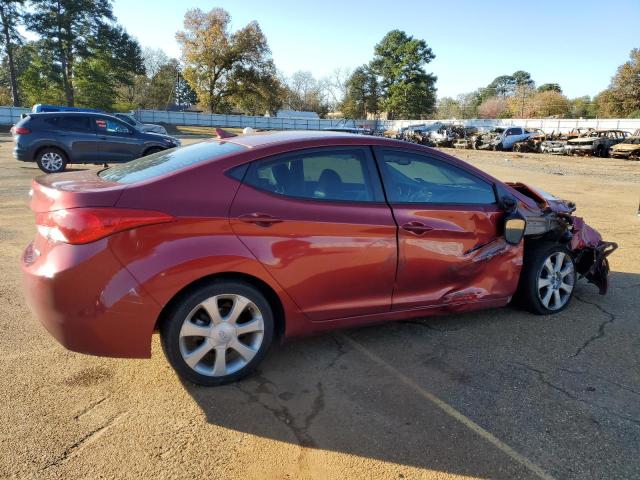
(55, 139)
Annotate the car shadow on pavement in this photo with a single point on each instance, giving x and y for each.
(321, 393)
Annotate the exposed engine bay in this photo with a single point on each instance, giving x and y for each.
(553, 219)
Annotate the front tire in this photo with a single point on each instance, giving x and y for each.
(51, 160)
(548, 278)
(218, 333)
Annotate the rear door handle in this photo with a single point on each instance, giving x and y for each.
(417, 228)
(260, 219)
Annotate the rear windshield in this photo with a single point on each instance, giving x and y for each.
(168, 161)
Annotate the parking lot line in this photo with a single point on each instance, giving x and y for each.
(449, 410)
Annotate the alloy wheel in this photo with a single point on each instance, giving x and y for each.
(221, 335)
(51, 161)
(556, 280)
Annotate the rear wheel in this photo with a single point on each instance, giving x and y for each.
(218, 333)
(548, 278)
(51, 160)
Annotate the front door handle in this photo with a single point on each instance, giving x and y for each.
(417, 228)
(260, 219)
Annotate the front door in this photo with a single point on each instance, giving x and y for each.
(317, 220)
(451, 249)
(117, 141)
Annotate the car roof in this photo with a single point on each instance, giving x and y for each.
(271, 138)
(69, 114)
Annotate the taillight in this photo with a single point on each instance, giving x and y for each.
(21, 130)
(85, 225)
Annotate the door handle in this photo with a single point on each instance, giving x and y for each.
(417, 228)
(260, 219)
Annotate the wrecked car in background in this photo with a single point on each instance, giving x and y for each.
(531, 144)
(628, 149)
(596, 142)
(501, 138)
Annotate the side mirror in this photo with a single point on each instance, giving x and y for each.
(509, 204)
(514, 229)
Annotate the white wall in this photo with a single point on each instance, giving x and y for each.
(11, 115)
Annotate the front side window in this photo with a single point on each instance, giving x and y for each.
(111, 126)
(413, 178)
(340, 175)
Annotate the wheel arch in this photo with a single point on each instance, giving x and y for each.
(44, 146)
(270, 294)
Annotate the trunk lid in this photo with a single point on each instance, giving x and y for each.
(72, 190)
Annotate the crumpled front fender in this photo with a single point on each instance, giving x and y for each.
(591, 253)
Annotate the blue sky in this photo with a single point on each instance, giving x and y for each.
(578, 44)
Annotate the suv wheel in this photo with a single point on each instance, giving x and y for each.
(51, 160)
(218, 333)
(548, 278)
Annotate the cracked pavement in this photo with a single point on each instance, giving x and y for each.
(561, 391)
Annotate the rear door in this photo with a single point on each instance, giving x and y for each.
(317, 220)
(77, 133)
(118, 141)
(450, 243)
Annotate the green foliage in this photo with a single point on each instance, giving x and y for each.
(41, 80)
(407, 90)
(622, 98)
(11, 15)
(550, 87)
(362, 95)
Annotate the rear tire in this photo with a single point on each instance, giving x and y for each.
(51, 160)
(218, 333)
(548, 278)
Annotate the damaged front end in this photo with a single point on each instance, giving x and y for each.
(554, 220)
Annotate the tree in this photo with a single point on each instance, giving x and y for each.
(622, 98)
(550, 87)
(21, 59)
(10, 17)
(548, 103)
(362, 96)
(493, 107)
(67, 27)
(185, 95)
(449, 108)
(407, 89)
(113, 59)
(218, 63)
(41, 81)
(303, 92)
(582, 107)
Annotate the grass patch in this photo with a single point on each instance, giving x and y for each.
(196, 130)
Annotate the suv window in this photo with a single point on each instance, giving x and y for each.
(414, 178)
(75, 123)
(127, 119)
(336, 174)
(112, 126)
(168, 161)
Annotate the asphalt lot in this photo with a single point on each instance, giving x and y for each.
(495, 394)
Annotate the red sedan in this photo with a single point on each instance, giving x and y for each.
(225, 245)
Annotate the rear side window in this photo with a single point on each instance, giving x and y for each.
(75, 123)
(413, 178)
(336, 174)
(168, 161)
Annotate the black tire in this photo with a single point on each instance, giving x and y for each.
(174, 347)
(498, 147)
(530, 296)
(51, 160)
(152, 150)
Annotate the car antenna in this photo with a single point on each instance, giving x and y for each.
(220, 134)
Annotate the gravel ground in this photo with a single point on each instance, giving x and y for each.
(495, 394)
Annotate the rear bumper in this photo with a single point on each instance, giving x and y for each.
(22, 154)
(87, 300)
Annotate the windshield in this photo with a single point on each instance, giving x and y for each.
(168, 161)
